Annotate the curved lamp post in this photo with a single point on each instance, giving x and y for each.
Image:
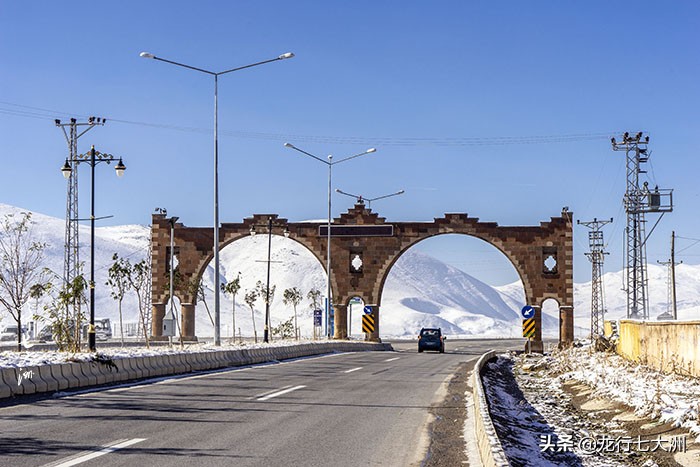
(217, 315)
(92, 158)
(330, 163)
(361, 199)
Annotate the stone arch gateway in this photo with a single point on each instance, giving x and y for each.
(364, 247)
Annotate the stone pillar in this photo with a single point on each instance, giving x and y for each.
(157, 315)
(374, 336)
(536, 344)
(566, 326)
(341, 321)
(188, 321)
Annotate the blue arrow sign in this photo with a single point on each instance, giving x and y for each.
(528, 312)
(368, 309)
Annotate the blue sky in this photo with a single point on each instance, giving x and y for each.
(434, 86)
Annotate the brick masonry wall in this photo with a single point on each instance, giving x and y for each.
(528, 248)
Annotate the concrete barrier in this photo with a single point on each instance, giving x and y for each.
(47, 378)
(28, 380)
(57, 374)
(5, 389)
(69, 372)
(71, 375)
(490, 448)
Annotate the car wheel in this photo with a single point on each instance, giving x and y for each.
(420, 350)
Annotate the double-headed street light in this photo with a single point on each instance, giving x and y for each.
(266, 334)
(361, 199)
(217, 315)
(330, 163)
(92, 158)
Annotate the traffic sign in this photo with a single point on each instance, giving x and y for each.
(368, 323)
(528, 312)
(529, 327)
(368, 309)
(318, 318)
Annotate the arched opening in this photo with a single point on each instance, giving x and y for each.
(355, 311)
(550, 314)
(456, 282)
(291, 266)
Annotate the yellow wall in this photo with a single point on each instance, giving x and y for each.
(665, 345)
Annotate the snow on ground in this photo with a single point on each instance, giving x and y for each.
(570, 409)
(664, 397)
(12, 359)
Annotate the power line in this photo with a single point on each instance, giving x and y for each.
(39, 112)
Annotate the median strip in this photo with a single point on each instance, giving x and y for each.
(92, 455)
(279, 393)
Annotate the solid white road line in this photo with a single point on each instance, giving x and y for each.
(392, 359)
(352, 369)
(92, 455)
(279, 393)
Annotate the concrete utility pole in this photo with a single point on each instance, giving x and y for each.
(596, 256)
(671, 310)
(638, 201)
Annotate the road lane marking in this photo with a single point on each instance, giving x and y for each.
(279, 393)
(262, 394)
(92, 455)
(392, 359)
(352, 369)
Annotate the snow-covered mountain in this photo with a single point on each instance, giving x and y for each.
(420, 290)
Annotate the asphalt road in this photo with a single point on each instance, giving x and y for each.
(365, 408)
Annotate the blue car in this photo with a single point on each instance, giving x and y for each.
(431, 339)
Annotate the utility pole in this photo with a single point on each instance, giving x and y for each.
(672, 309)
(638, 201)
(596, 256)
(71, 255)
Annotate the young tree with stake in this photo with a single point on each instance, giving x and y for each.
(232, 289)
(293, 296)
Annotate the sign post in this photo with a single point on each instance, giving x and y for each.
(368, 321)
(528, 313)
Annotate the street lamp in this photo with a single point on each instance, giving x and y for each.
(330, 163)
(92, 158)
(217, 316)
(266, 334)
(360, 199)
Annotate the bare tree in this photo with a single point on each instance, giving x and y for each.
(251, 296)
(293, 296)
(232, 288)
(314, 296)
(268, 296)
(20, 265)
(119, 282)
(140, 280)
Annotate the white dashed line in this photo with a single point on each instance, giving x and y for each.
(279, 393)
(258, 396)
(352, 369)
(392, 359)
(92, 455)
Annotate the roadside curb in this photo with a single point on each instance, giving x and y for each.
(73, 375)
(490, 448)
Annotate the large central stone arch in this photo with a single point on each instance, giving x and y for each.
(364, 247)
